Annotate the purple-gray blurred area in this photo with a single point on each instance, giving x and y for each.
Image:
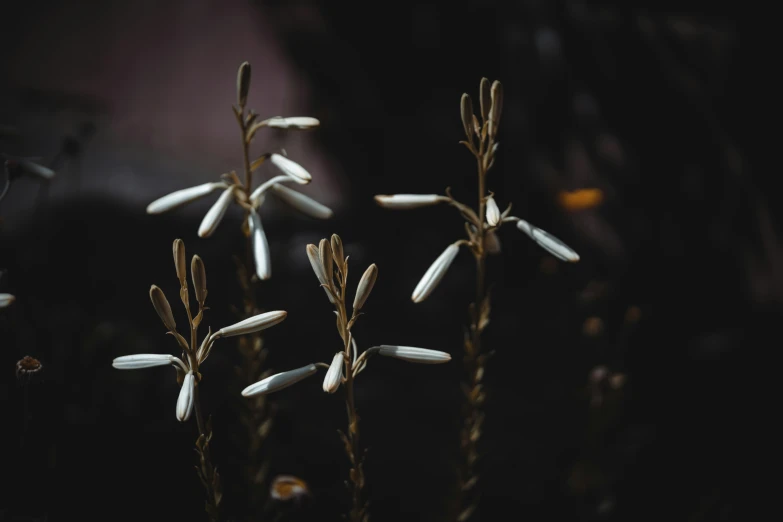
(145, 90)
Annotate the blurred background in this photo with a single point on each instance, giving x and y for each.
(612, 391)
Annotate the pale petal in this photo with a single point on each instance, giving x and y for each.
(416, 355)
(302, 203)
(291, 168)
(293, 122)
(6, 300)
(143, 360)
(548, 242)
(253, 324)
(434, 274)
(181, 197)
(406, 201)
(279, 381)
(215, 215)
(186, 398)
(34, 168)
(493, 212)
(334, 375)
(261, 252)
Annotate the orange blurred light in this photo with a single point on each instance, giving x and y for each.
(582, 199)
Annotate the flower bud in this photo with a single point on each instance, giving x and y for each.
(407, 201)
(243, 83)
(162, 307)
(179, 262)
(416, 355)
(334, 375)
(279, 381)
(337, 250)
(186, 398)
(493, 212)
(215, 215)
(142, 360)
(327, 262)
(302, 203)
(291, 168)
(181, 197)
(484, 98)
(496, 109)
(365, 287)
(466, 111)
(434, 274)
(6, 300)
(199, 274)
(548, 242)
(293, 122)
(253, 324)
(261, 253)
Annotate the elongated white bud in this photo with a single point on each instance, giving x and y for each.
(416, 355)
(216, 213)
(406, 201)
(143, 360)
(334, 375)
(6, 300)
(313, 254)
(279, 381)
(253, 324)
(302, 203)
(548, 242)
(493, 212)
(256, 197)
(496, 93)
(186, 397)
(260, 247)
(181, 197)
(291, 168)
(293, 122)
(365, 287)
(434, 274)
(36, 169)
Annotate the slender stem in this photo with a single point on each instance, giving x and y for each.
(473, 360)
(357, 473)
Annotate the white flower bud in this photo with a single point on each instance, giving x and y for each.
(434, 274)
(253, 324)
(36, 169)
(416, 355)
(493, 212)
(406, 201)
(6, 300)
(279, 381)
(291, 168)
(181, 197)
(293, 122)
(365, 287)
(215, 215)
(302, 203)
(334, 375)
(143, 360)
(186, 398)
(548, 242)
(260, 247)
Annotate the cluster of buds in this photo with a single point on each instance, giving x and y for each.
(481, 225)
(193, 353)
(331, 268)
(240, 192)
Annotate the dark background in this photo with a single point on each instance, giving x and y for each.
(653, 106)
